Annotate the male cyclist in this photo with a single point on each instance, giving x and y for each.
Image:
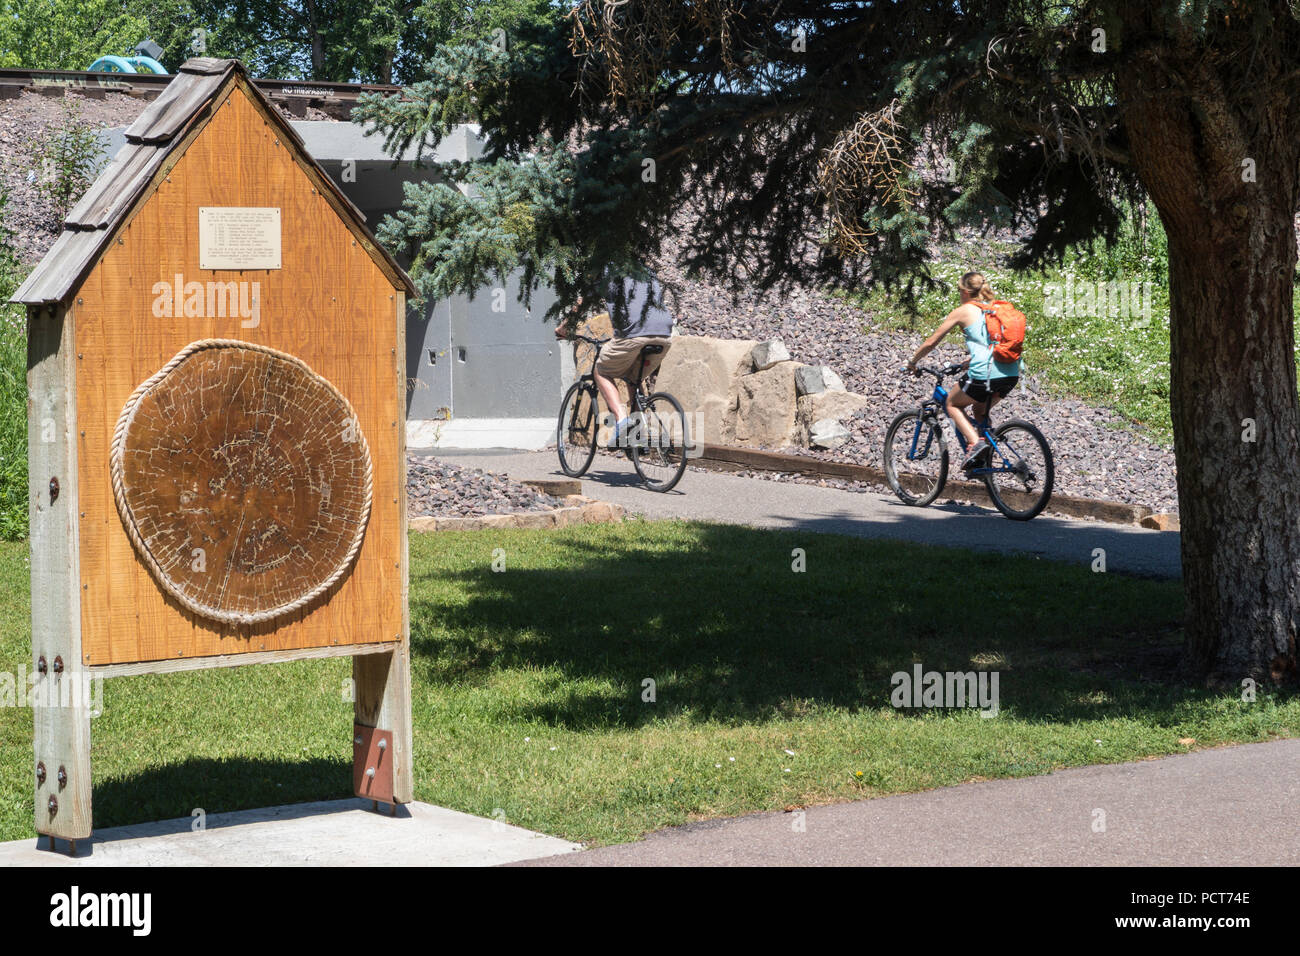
(987, 380)
(639, 318)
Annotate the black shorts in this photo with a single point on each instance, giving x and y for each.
(980, 389)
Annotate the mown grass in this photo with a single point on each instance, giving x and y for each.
(529, 684)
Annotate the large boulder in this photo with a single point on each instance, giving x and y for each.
(838, 406)
(703, 373)
(765, 407)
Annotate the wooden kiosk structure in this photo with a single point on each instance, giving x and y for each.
(216, 431)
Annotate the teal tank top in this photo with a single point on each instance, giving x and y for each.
(982, 364)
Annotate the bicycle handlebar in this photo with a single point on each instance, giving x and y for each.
(589, 339)
(940, 374)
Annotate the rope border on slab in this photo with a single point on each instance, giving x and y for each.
(117, 452)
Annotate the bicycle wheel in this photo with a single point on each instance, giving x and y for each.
(658, 441)
(575, 433)
(1023, 491)
(916, 458)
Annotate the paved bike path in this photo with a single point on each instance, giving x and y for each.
(1231, 806)
(716, 496)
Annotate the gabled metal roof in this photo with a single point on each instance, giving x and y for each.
(157, 131)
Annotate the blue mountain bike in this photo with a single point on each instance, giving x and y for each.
(1017, 469)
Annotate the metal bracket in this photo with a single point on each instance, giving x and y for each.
(372, 763)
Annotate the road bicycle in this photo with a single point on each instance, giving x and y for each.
(656, 439)
(1017, 469)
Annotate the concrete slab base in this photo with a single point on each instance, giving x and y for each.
(329, 833)
(528, 434)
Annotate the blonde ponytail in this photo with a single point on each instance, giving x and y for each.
(974, 285)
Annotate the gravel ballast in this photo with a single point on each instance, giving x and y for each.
(439, 489)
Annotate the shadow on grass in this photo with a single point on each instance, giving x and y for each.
(720, 619)
(174, 791)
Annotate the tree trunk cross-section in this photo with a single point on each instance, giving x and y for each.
(243, 481)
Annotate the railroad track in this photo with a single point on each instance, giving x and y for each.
(296, 96)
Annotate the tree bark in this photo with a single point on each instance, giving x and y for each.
(1196, 129)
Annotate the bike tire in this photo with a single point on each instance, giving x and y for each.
(896, 432)
(674, 460)
(1047, 479)
(575, 463)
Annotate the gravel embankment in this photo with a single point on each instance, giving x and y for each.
(1099, 454)
(23, 122)
(442, 490)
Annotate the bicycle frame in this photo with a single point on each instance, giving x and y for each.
(938, 402)
(636, 390)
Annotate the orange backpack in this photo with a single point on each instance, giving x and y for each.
(1006, 329)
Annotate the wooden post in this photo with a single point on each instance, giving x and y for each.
(383, 681)
(61, 712)
(383, 701)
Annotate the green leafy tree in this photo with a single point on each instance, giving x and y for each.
(809, 141)
(72, 34)
(376, 41)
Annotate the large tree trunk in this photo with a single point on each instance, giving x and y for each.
(1232, 256)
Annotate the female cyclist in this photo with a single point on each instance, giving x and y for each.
(987, 380)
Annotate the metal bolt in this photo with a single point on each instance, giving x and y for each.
(383, 745)
(41, 666)
(370, 772)
(357, 740)
(54, 490)
(40, 773)
(80, 301)
(63, 778)
(58, 665)
(53, 805)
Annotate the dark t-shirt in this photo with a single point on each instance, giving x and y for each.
(639, 310)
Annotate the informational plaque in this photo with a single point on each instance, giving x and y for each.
(239, 237)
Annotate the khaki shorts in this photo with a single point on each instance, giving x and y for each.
(619, 357)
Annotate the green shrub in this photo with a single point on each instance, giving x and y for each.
(13, 394)
(65, 157)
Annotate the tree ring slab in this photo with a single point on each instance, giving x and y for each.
(243, 480)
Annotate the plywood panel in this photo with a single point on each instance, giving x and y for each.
(329, 305)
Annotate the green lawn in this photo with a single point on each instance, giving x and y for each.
(528, 683)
